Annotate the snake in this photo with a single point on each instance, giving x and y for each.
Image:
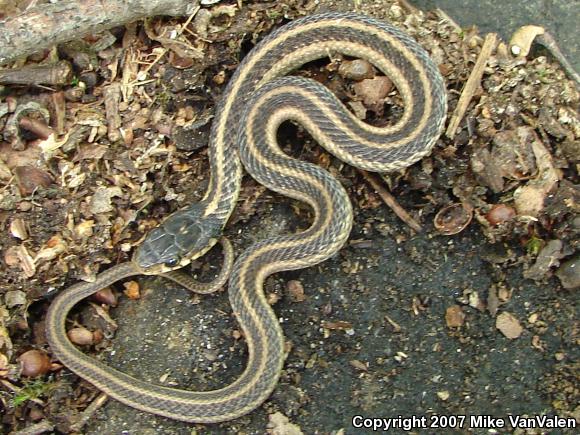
(260, 96)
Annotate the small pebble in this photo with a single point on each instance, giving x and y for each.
(569, 273)
(296, 291)
(373, 91)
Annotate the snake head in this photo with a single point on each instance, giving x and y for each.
(184, 236)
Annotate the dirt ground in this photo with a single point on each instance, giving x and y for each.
(398, 324)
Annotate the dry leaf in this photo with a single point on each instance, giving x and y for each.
(25, 260)
(101, 200)
(529, 199)
(523, 38)
(569, 273)
(359, 365)
(54, 247)
(548, 257)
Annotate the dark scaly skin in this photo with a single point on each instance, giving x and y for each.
(187, 234)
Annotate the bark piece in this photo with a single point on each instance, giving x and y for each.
(47, 24)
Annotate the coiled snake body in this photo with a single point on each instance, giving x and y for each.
(257, 100)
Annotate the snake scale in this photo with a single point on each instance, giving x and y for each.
(258, 98)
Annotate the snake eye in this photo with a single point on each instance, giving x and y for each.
(172, 262)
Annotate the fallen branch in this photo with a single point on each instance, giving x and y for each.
(472, 84)
(45, 25)
(391, 201)
(548, 41)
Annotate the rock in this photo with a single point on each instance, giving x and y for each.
(509, 325)
(549, 256)
(569, 273)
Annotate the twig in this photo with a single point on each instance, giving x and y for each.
(443, 15)
(548, 41)
(39, 128)
(35, 429)
(472, 84)
(390, 201)
(12, 131)
(59, 73)
(408, 6)
(89, 412)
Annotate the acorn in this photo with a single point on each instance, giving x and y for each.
(34, 363)
(81, 336)
(500, 214)
(106, 296)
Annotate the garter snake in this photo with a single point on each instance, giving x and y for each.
(257, 99)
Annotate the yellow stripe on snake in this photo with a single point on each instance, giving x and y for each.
(256, 101)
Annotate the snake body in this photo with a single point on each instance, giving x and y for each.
(256, 101)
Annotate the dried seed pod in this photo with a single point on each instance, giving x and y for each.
(34, 363)
(81, 336)
(452, 219)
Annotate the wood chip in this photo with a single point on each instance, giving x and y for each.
(132, 290)
(454, 316)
